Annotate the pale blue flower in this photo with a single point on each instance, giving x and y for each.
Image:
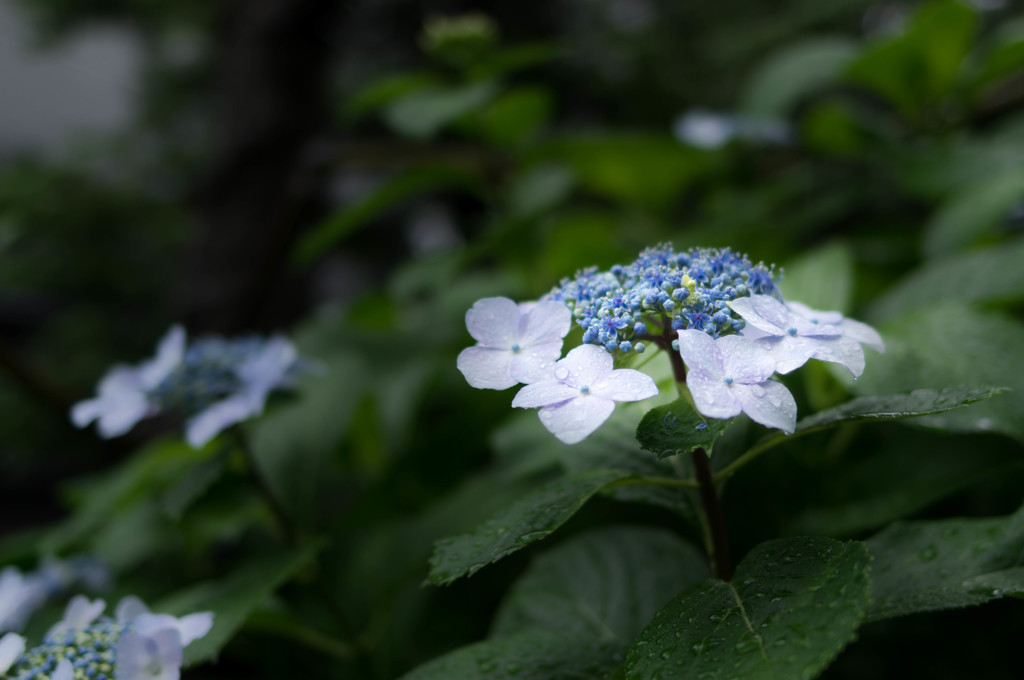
(213, 382)
(582, 391)
(792, 339)
(731, 375)
(515, 343)
(137, 645)
(125, 392)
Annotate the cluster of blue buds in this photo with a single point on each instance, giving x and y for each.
(663, 292)
(91, 652)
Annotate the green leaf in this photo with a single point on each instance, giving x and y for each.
(918, 403)
(382, 92)
(938, 346)
(901, 475)
(422, 114)
(791, 608)
(677, 429)
(821, 279)
(945, 564)
(604, 584)
(540, 189)
(801, 69)
(645, 170)
(990, 275)
(390, 195)
(531, 655)
(233, 598)
(527, 520)
(972, 213)
(515, 116)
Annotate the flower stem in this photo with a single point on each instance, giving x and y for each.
(262, 487)
(720, 564)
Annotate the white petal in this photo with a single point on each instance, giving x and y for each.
(584, 365)
(79, 613)
(169, 353)
(745, 361)
(138, 655)
(64, 671)
(493, 322)
(745, 307)
(270, 365)
(544, 323)
(862, 333)
(120, 416)
(544, 393)
(12, 646)
(216, 418)
(535, 363)
(700, 353)
(84, 412)
(486, 368)
(770, 404)
(751, 332)
(574, 420)
(189, 628)
(843, 351)
(789, 353)
(625, 384)
(814, 315)
(130, 608)
(712, 397)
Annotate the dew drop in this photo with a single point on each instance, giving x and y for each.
(757, 391)
(561, 373)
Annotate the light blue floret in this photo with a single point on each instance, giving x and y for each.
(618, 308)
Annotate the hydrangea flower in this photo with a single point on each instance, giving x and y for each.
(731, 375)
(582, 392)
(214, 382)
(136, 645)
(793, 338)
(515, 343)
(662, 292)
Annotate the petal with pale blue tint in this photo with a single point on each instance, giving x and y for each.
(746, 308)
(130, 608)
(814, 315)
(210, 422)
(64, 671)
(12, 646)
(545, 322)
(624, 384)
(584, 365)
(157, 656)
(535, 363)
(494, 322)
(544, 393)
(700, 353)
(712, 397)
(862, 333)
(169, 353)
(744, 360)
(80, 612)
(486, 368)
(843, 351)
(576, 419)
(189, 628)
(269, 367)
(769, 404)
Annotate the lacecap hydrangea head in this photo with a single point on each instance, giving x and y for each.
(213, 382)
(133, 645)
(660, 293)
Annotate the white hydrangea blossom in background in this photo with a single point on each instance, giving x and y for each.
(213, 382)
(731, 375)
(515, 343)
(581, 393)
(12, 646)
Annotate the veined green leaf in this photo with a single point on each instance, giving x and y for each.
(677, 429)
(945, 564)
(792, 606)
